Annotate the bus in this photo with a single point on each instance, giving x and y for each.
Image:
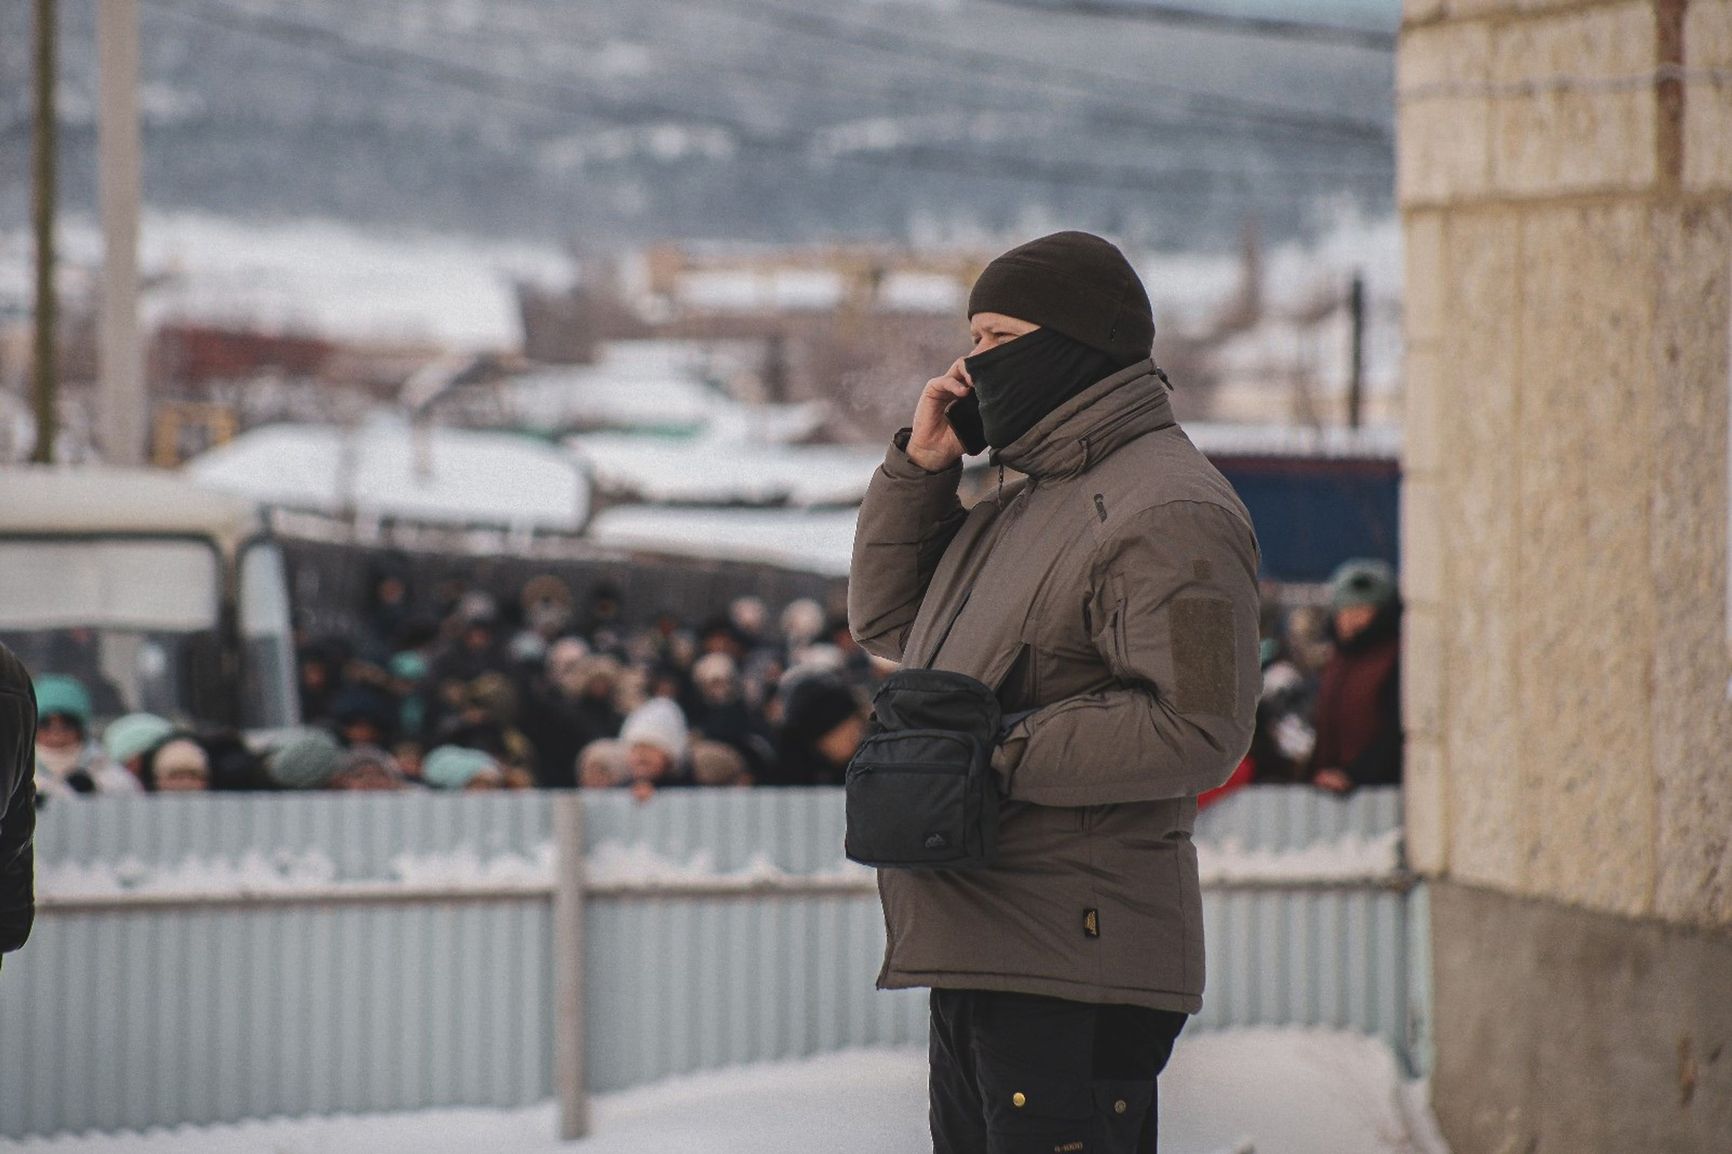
(155, 593)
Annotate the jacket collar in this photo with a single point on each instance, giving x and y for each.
(1082, 431)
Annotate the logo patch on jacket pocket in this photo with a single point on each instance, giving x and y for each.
(936, 841)
(1092, 923)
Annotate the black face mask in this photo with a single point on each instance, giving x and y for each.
(1021, 381)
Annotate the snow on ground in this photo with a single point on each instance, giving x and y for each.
(1347, 858)
(307, 873)
(384, 468)
(317, 276)
(1265, 1091)
(616, 863)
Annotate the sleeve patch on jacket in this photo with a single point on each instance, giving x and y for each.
(1205, 673)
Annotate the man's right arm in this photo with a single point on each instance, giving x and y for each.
(906, 522)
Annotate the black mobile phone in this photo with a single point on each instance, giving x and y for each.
(964, 417)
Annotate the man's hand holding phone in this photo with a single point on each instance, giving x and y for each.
(933, 444)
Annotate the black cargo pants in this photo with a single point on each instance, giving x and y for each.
(1023, 1074)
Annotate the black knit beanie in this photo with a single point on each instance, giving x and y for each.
(1076, 283)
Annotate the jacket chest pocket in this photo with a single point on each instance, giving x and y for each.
(1021, 688)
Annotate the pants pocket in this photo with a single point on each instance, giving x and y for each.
(1031, 1112)
(1124, 1117)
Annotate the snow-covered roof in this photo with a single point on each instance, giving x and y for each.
(722, 469)
(317, 277)
(470, 478)
(1380, 442)
(810, 540)
(762, 290)
(650, 385)
(910, 291)
(101, 499)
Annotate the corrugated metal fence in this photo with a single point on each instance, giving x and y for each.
(400, 951)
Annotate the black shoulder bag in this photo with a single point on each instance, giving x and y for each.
(921, 792)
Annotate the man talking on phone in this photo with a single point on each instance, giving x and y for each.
(1108, 598)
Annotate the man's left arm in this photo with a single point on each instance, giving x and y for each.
(1174, 614)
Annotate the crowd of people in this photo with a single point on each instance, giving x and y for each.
(545, 691)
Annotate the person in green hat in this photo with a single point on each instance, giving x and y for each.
(308, 760)
(1358, 717)
(129, 739)
(68, 761)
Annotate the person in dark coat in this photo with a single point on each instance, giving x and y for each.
(17, 803)
(554, 715)
(720, 712)
(1358, 720)
(823, 722)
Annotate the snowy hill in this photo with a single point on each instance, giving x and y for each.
(774, 120)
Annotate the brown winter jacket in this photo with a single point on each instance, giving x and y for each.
(1115, 590)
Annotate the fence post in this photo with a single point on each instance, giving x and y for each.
(568, 978)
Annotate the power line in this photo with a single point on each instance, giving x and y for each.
(374, 54)
(1260, 26)
(556, 98)
(1141, 120)
(987, 65)
(544, 95)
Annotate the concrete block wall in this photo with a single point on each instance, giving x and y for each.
(1565, 176)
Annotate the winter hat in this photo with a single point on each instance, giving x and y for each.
(1076, 283)
(802, 621)
(714, 667)
(749, 615)
(362, 756)
(57, 693)
(660, 723)
(1362, 582)
(494, 695)
(598, 665)
(565, 656)
(527, 647)
(817, 704)
(127, 737)
(545, 589)
(821, 657)
(306, 762)
(716, 764)
(409, 666)
(179, 755)
(478, 608)
(454, 767)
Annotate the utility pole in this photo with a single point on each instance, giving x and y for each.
(121, 405)
(1356, 374)
(42, 207)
